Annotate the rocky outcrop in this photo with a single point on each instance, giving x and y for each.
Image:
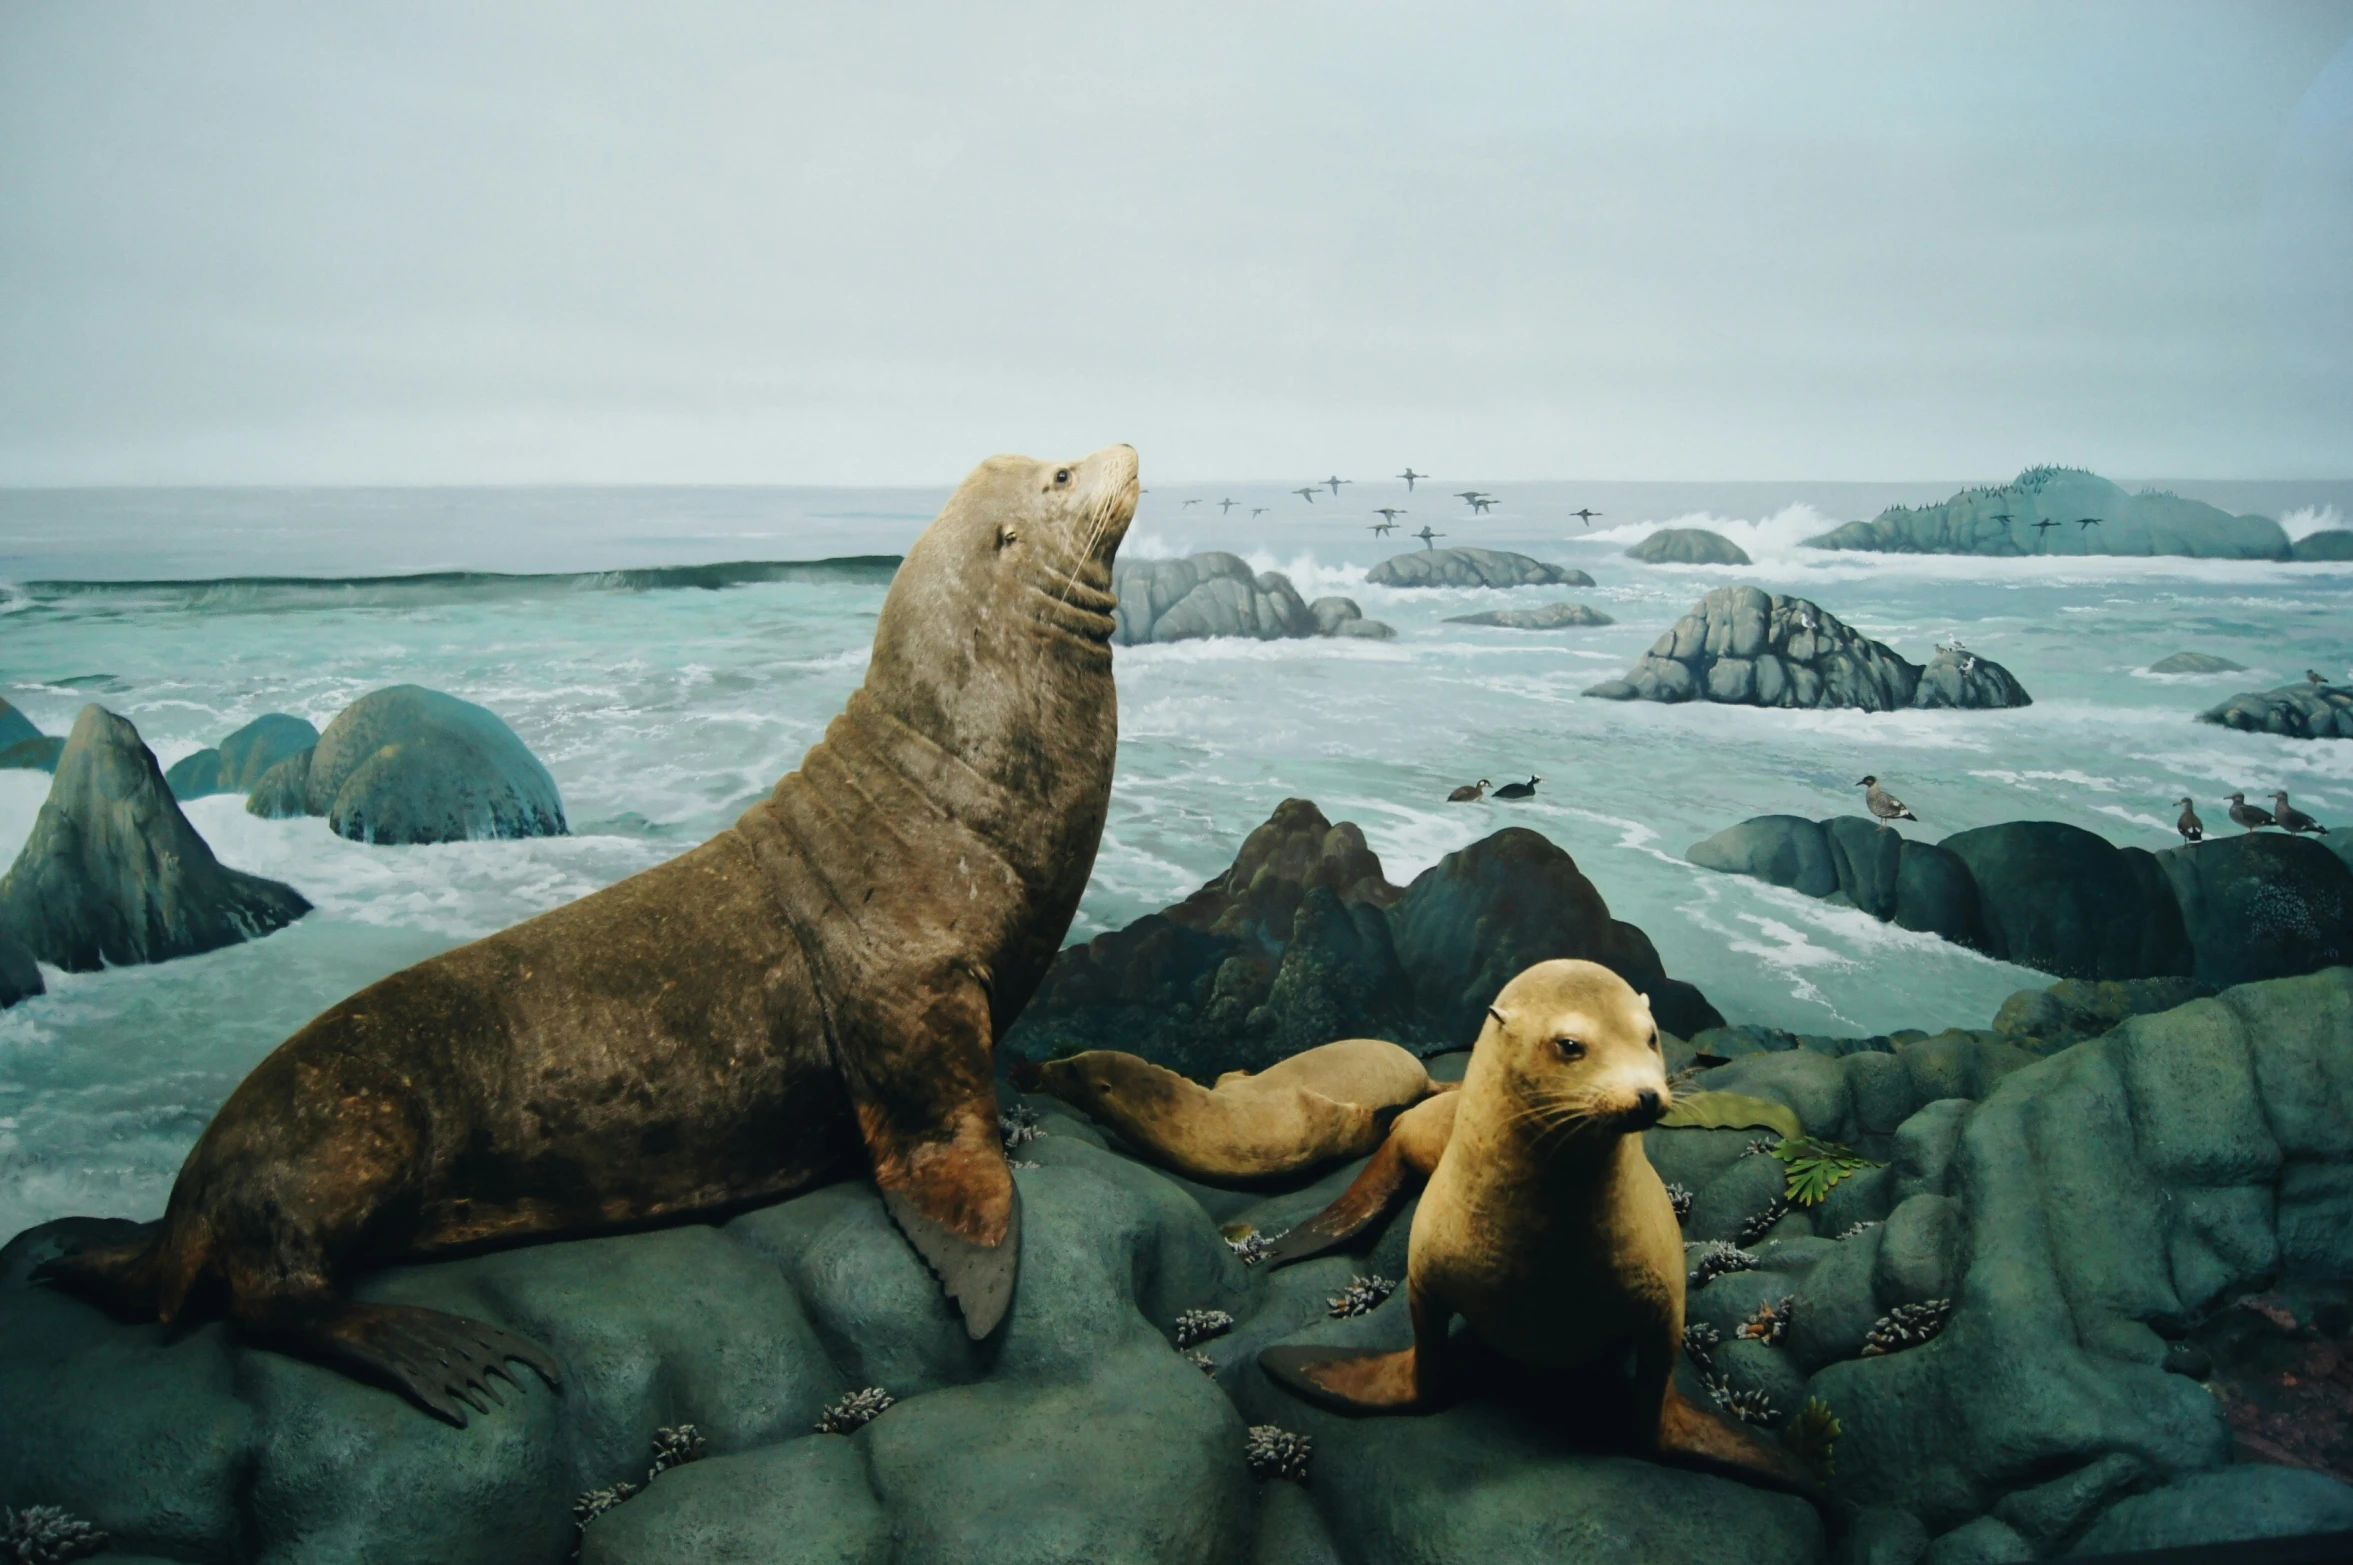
(1553, 616)
(1745, 647)
(2070, 1238)
(38, 754)
(1303, 940)
(114, 874)
(2196, 663)
(1216, 594)
(2009, 520)
(2336, 543)
(241, 760)
(15, 727)
(407, 765)
(2072, 1010)
(2305, 711)
(1472, 568)
(1688, 546)
(2052, 896)
(20, 972)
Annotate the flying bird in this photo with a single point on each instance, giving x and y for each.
(2045, 525)
(2292, 820)
(1256, 512)
(2192, 829)
(1883, 804)
(1409, 475)
(1425, 535)
(1390, 513)
(1190, 502)
(1381, 529)
(2087, 522)
(1585, 514)
(1224, 506)
(2254, 817)
(1470, 494)
(1336, 481)
(1306, 492)
(1483, 504)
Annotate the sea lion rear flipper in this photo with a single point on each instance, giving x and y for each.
(1346, 1380)
(926, 1098)
(1691, 1437)
(441, 1362)
(1384, 1181)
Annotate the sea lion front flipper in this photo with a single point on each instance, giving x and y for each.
(1345, 1380)
(925, 1091)
(441, 1362)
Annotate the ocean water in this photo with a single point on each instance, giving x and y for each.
(663, 712)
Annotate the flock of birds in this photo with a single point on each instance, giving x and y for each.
(1472, 793)
(1479, 500)
(2252, 817)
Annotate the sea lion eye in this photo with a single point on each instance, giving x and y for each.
(1654, 1043)
(1570, 1048)
(1006, 535)
(1062, 475)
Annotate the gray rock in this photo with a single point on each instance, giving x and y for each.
(2335, 543)
(406, 765)
(2049, 1515)
(2260, 906)
(2002, 520)
(1784, 850)
(2230, 1506)
(1744, 646)
(15, 727)
(38, 754)
(20, 973)
(195, 776)
(1217, 594)
(2072, 1010)
(283, 792)
(1553, 616)
(241, 759)
(1924, 1146)
(807, 1500)
(2197, 663)
(1472, 568)
(1919, 1252)
(1688, 546)
(2059, 898)
(1986, 1541)
(1883, 1535)
(114, 874)
(2304, 711)
(1838, 1305)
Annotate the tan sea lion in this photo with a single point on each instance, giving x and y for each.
(1543, 1224)
(814, 993)
(1318, 1106)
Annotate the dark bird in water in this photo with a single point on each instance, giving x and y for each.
(1883, 804)
(1482, 504)
(2252, 816)
(1307, 492)
(1336, 481)
(1526, 790)
(1426, 536)
(1469, 793)
(1224, 506)
(2316, 676)
(2292, 820)
(1409, 475)
(2192, 829)
(1189, 502)
(1585, 514)
(2087, 521)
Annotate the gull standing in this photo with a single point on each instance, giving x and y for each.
(2292, 820)
(2192, 829)
(2252, 816)
(1883, 804)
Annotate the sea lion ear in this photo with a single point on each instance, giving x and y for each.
(1501, 1020)
(1645, 999)
(920, 1076)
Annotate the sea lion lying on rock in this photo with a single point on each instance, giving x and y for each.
(1543, 1224)
(1323, 1105)
(812, 994)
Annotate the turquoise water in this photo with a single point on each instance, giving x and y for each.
(663, 713)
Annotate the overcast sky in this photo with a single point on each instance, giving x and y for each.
(871, 243)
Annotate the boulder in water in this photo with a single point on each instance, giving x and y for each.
(1217, 594)
(406, 765)
(37, 754)
(15, 727)
(1743, 646)
(2256, 905)
(283, 792)
(1688, 546)
(114, 874)
(196, 776)
(1472, 568)
(2305, 711)
(2196, 663)
(2335, 543)
(1553, 616)
(2007, 519)
(20, 973)
(243, 758)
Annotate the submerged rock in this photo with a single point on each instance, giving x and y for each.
(2305, 711)
(1688, 546)
(37, 754)
(1745, 647)
(20, 973)
(1472, 568)
(242, 759)
(1553, 616)
(2196, 663)
(283, 792)
(2004, 520)
(1303, 940)
(15, 727)
(114, 874)
(1217, 594)
(2056, 897)
(2335, 543)
(409, 765)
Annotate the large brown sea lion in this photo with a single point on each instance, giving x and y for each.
(813, 993)
(1543, 1224)
(1318, 1106)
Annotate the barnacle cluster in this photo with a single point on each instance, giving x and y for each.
(1760, 1223)
(1760, 1146)
(1680, 1195)
(854, 1411)
(1201, 1325)
(1251, 1247)
(1856, 1230)
(1770, 1323)
(671, 1448)
(46, 1535)
(1275, 1452)
(1700, 1341)
(1362, 1296)
(598, 1501)
(1750, 1407)
(1018, 1125)
(1202, 1362)
(1713, 1259)
(1907, 1326)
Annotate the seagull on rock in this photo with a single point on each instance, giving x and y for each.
(2254, 817)
(2292, 820)
(1883, 804)
(1469, 793)
(2192, 829)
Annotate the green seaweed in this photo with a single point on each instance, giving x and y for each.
(1816, 1165)
(1812, 1435)
(1731, 1111)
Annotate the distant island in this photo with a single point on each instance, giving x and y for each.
(2063, 511)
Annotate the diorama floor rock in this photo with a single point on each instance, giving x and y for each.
(2080, 1210)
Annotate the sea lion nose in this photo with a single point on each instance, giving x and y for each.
(1647, 1101)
